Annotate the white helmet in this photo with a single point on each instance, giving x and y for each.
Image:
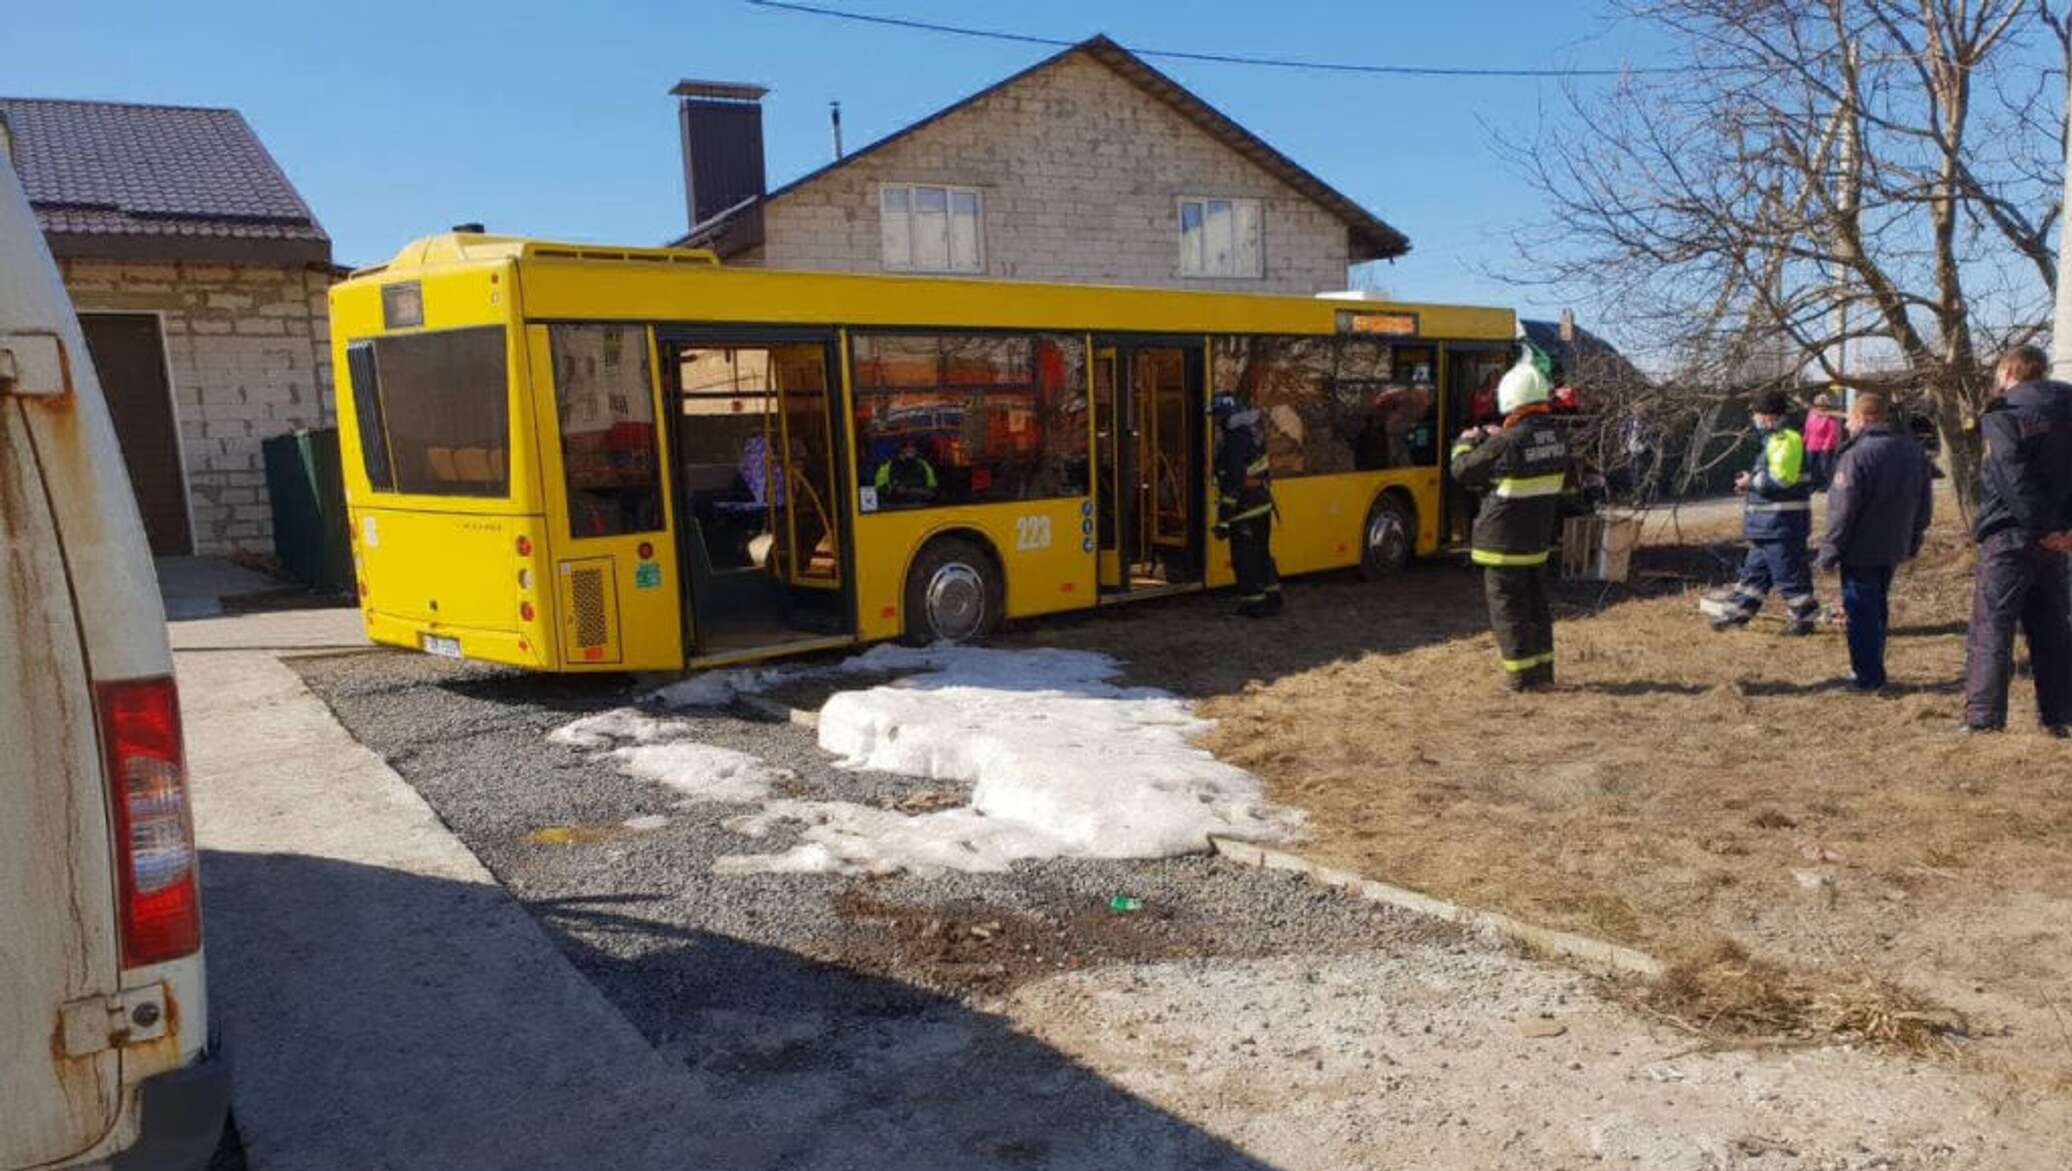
(1523, 385)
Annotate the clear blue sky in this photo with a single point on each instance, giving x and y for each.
(552, 118)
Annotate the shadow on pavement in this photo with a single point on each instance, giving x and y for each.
(787, 1062)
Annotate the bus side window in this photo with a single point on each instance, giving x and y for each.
(969, 418)
(603, 400)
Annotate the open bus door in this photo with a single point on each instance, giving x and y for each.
(1469, 368)
(1150, 425)
(756, 445)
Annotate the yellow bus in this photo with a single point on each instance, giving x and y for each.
(575, 458)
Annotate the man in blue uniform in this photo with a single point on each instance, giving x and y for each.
(2024, 512)
(1244, 507)
(1777, 519)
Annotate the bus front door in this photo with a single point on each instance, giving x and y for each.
(1149, 428)
(756, 447)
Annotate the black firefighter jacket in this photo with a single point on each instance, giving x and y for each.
(1244, 482)
(1519, 471)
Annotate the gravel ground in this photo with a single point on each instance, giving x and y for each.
(833, 1014)
(1243, 1019)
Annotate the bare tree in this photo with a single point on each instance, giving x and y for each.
(1878, 174)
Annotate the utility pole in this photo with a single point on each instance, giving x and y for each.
(2061, 317)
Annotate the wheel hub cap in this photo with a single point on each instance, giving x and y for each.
(956, 599)
(1385, 537)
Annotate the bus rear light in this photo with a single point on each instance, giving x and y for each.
(524, 546)
(525, 611)
(646, 550)
(154, 830)
(525, 579)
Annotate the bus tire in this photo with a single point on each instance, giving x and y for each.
(1388, 538)
(953, 594)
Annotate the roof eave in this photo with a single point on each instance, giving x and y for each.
(154, 248)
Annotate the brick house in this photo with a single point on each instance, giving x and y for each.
(199, 277)
(1089, 166)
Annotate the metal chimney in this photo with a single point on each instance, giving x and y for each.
(722, 132)
(834, 114)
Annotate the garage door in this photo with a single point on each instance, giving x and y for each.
(129, 355)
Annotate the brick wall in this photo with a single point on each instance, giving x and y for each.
(248, 351)
(1081, 172)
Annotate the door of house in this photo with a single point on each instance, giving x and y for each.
(129, 355)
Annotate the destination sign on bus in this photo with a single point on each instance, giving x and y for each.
(1383, 324)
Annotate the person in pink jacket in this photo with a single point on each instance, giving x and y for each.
(1823, 432)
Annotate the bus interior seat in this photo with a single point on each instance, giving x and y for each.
(441, 461)
(472, 465)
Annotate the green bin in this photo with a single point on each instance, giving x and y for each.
(307, 491)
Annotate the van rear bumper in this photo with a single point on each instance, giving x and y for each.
(180, 1116)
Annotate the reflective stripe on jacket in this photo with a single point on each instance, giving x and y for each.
(1780, 499)
(1244, 476)
(1519, 471)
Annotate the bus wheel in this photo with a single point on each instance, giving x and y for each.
(1388, 538)
(952, 594)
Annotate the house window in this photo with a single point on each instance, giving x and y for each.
(930, 229)
(1220, 238)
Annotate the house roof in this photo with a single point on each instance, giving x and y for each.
(1371, 238)
(1587, 361)
(141, 182)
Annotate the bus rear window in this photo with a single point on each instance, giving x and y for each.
(444, 404)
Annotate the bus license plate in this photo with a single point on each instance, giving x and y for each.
(447, 648)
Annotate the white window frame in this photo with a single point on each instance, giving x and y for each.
(950, 193)
(1194, 264)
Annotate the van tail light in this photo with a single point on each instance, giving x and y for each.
(154, 829)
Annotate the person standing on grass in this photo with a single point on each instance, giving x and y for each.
(1777, 519)
(2024, 531)
(1878, 508)
(1823, 441)
(1520, 469)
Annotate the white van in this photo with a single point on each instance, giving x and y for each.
(105, 1048)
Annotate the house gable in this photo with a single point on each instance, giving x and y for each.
(1080, 164)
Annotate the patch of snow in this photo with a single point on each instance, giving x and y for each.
(645, 822)
(1062, 763)
(720, 688)
(703, 772)
(619, 724)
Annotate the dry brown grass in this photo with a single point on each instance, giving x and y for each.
(1720, 989)
(1683, 792)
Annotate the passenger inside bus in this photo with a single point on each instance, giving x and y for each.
(906, 478)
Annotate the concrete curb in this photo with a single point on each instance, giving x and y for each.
(1595, 953)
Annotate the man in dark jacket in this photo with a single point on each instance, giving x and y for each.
(1519, 469)
(1777, 519)
(2024, 510)
(1879, 502)
(1244, 508)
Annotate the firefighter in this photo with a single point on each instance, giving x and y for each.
(1777, 519)
(1520, 468)
(1244, 506)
